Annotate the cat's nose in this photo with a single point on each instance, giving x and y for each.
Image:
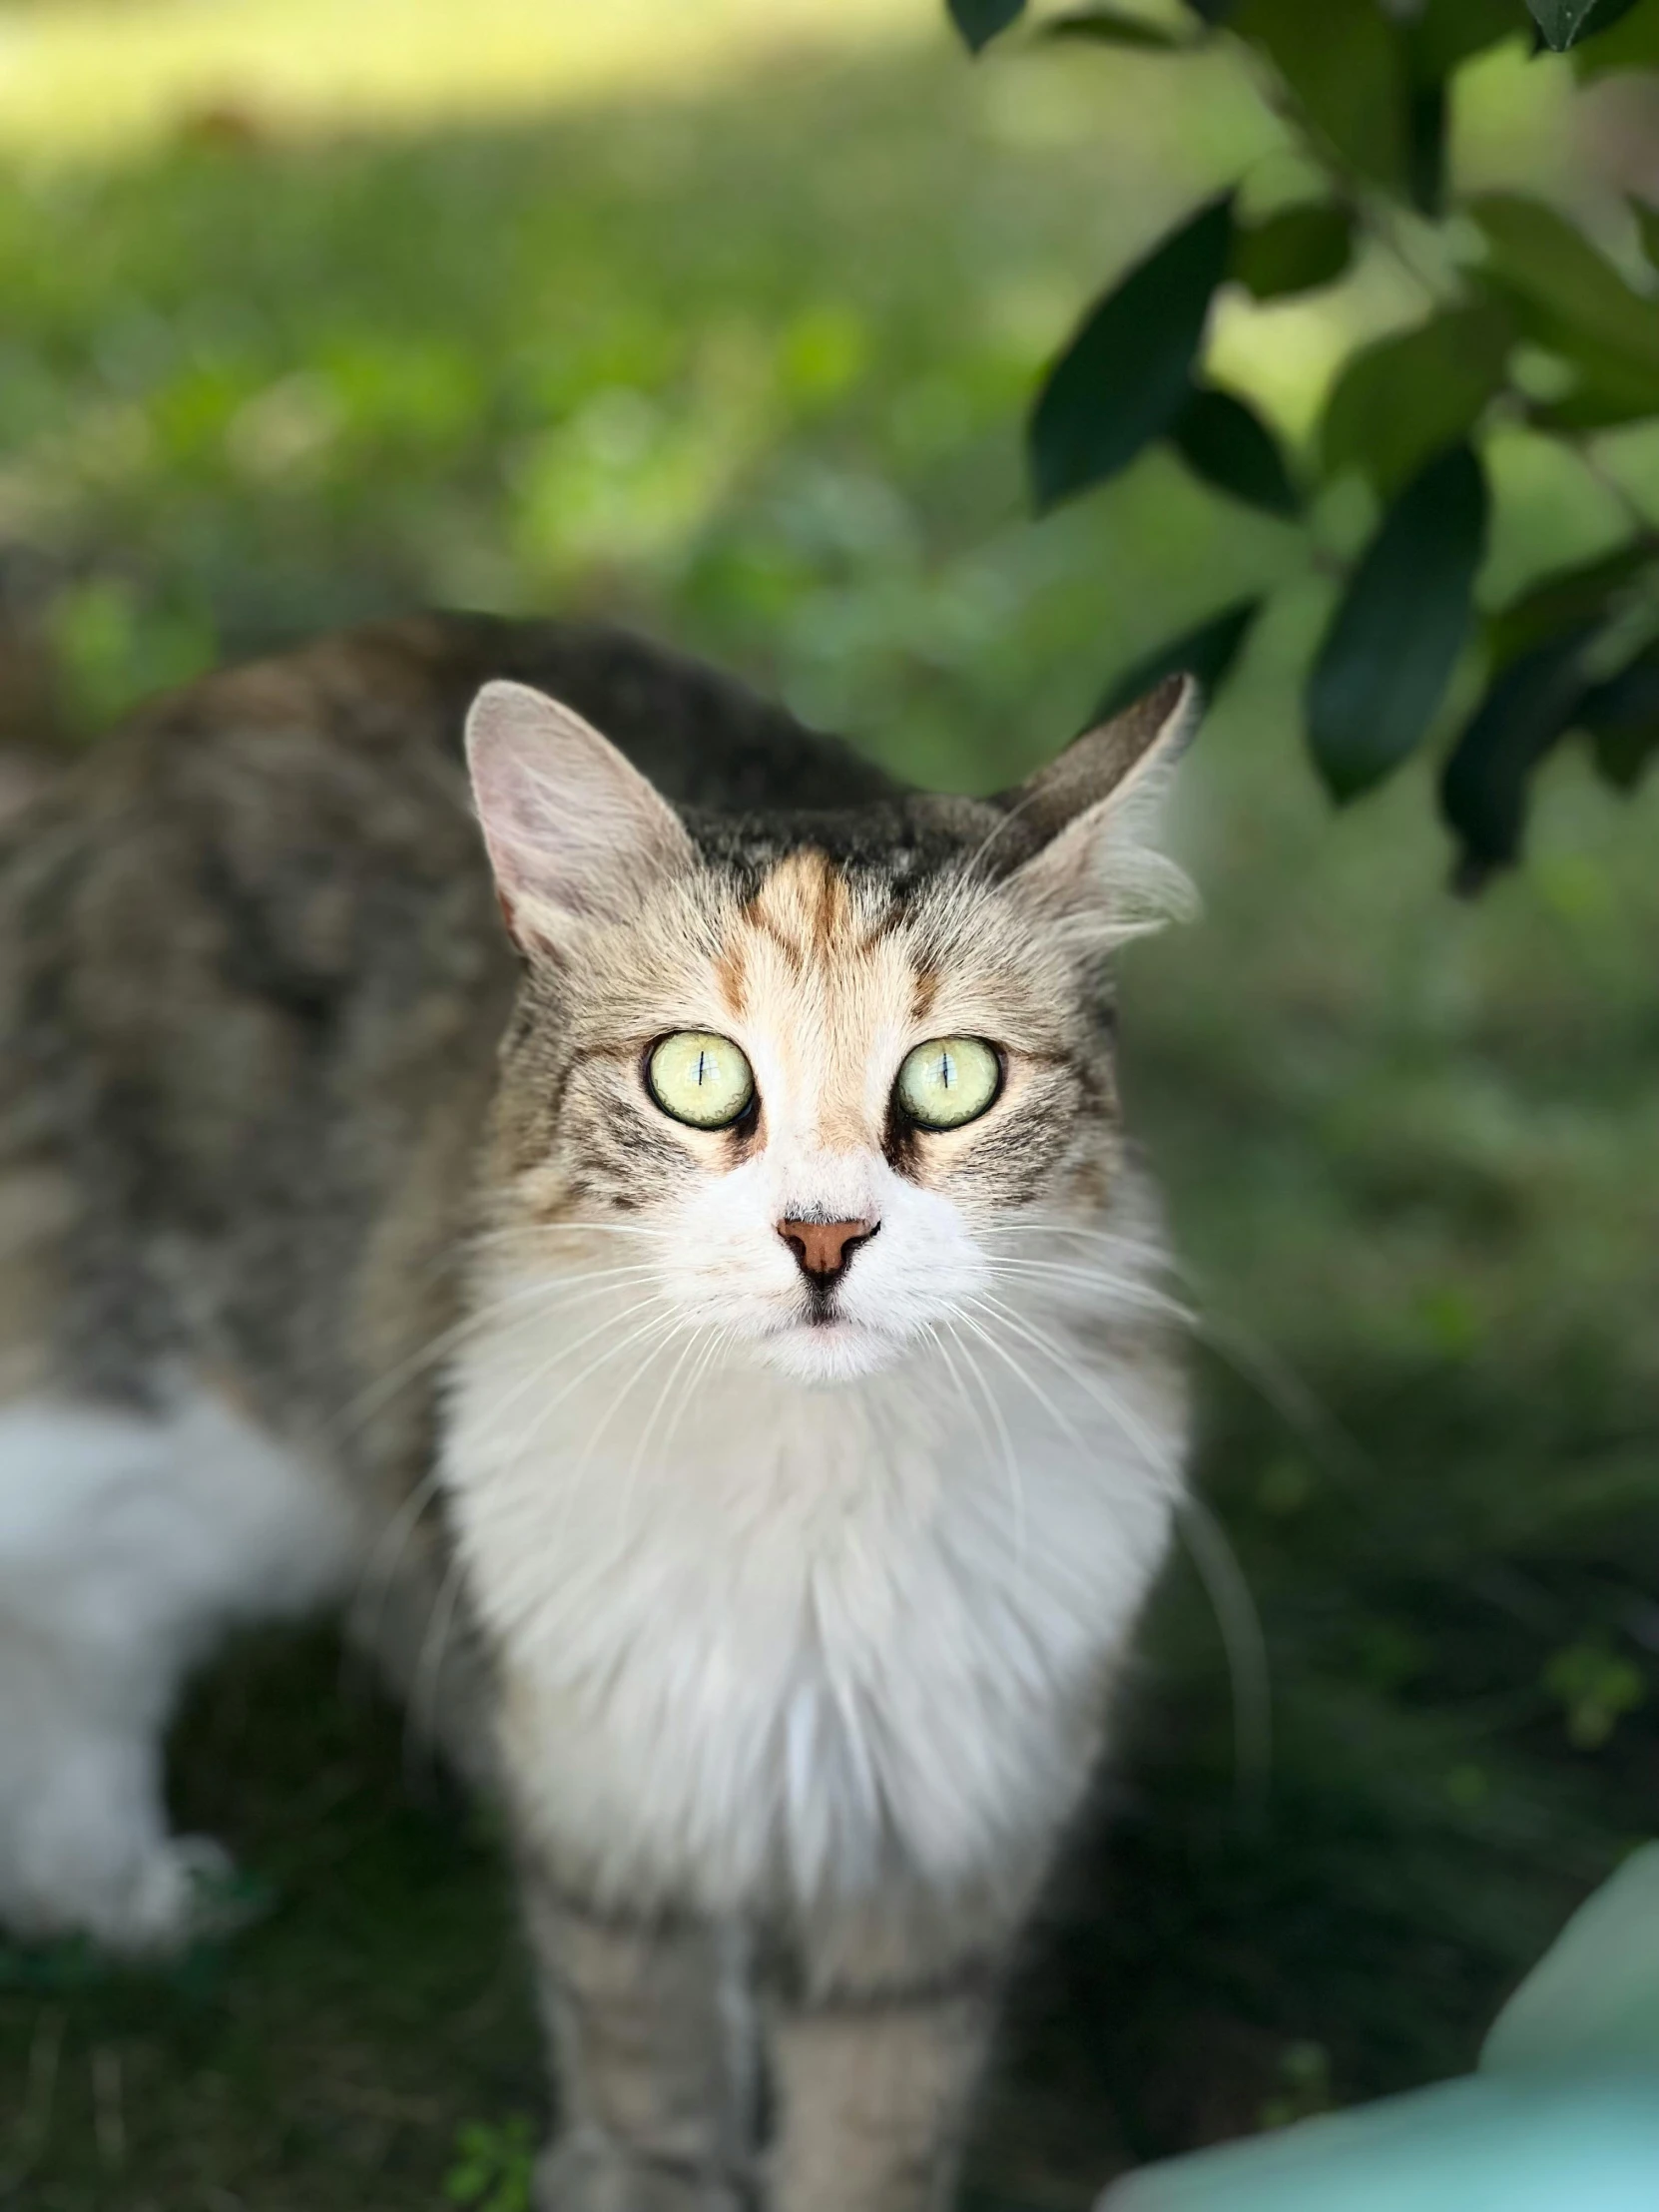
(824, 1249)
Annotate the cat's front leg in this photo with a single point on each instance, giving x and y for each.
(872, 2099)
(877, 2042)
(654, 2059)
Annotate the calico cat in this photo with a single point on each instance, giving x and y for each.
(670, 1267)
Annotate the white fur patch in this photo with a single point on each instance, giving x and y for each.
(126, 1543)
(761, 1634)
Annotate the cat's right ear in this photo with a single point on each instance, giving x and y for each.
(1088, 822)
(572, 827)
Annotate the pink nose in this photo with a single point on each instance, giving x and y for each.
(824, 1248)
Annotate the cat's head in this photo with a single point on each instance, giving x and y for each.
(807, 1072)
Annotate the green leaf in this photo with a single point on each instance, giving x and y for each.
(1622, 716)
(1396, 636)
(1425, 144)
(1111, 27)
(1566, 599)
(1647, 221)
(1565, 22)
(1448, 33)
(1344, 65)
(1294, 250)
(1596, 1687)
(1230, 446)
(1208, 651)
(1565, 294)
(980, 21)
(1406, 396)
(1124, 375)
(1483, 787)
(1606, 394)
(1631, 43)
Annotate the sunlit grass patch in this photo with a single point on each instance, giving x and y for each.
(96, 77)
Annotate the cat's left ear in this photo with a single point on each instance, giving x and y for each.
(573, 828)
(1092, 815)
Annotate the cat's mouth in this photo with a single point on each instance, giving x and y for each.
(824, 1344)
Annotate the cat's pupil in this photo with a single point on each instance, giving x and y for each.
(948, 1071)
(702, 1063)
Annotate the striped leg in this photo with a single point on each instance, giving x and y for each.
(653, 2062)
(879, 2045)
(873, 2101)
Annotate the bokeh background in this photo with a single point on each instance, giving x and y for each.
(722, 319)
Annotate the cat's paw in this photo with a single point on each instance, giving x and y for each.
(149, 1904)
(577, 2174)
(185, 1891)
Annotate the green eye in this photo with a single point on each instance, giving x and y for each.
(948, 1080)
(700, 1079)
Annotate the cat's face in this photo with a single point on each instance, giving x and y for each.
(807, 1083)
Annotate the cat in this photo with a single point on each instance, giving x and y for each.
(669, 1266)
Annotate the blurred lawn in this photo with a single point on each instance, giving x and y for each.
(723, 325)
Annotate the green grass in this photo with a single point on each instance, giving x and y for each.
(744, 360)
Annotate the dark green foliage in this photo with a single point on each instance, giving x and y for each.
(1562, 23)
(495, 2166)
(1227, 443)
(980, 21)
(1551, 648)
(1404, 397)
(1622, 716)
(1631, 42)
(1398, 627)
(1536, 324)
(1483, 788)
(1425, 144)
(1344, 68)
(1573, 598)
(1567, 298)
(1294, 250)
(1207, 651)
(1124, 377)
(1111, 27)
(1448, 33)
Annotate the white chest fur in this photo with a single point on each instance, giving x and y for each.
(754, 1632)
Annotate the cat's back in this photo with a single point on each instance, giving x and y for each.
(288, 794)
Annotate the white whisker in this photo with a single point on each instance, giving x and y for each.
(362, 1407)
(421, 1729)
(1152, 1452)
(1120, 1286)
(1218, 1568)
(363, 1614)
(1061, 1421)
(1016, 1483)
(1249, 1356)
(690, 1331)
(540, 1372)
(1246, 1645)
(719, 1336)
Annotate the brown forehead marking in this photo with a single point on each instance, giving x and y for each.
(925, 994)
(731, 976)
(804, 905)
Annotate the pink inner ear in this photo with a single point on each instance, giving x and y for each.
(573, 829)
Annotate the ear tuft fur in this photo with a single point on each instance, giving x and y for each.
(1086, 823)
(572, 827)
